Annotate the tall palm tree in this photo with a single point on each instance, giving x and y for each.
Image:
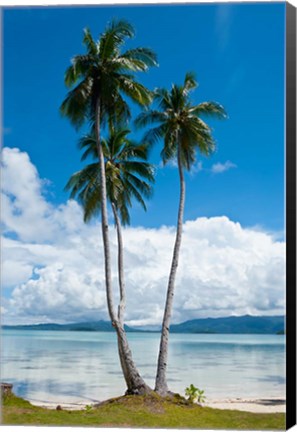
(128, 177)
(183, 132)
(99, 80)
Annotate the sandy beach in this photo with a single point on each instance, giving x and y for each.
(269, 405)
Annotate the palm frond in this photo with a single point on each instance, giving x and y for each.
(162, 97)
(89, 42)
(154, 135)
(80, 179)
(169, 150)
(188, 152)
(114, 37)
(133, 151)
(76, 105)
(132, 65)
(89, 145)
(80, 67)
(142, 57)
(178, 98)
(120, 112)
(138, 188)
(142, 169)
(210, 109)
(146, 118)
(195, 135)
(119, 136)
(84, 185)
(92, 205)
(88, 140)
(124, 214)
(136, 91)
(190, 82)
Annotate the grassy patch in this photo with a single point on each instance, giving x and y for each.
(139, 411)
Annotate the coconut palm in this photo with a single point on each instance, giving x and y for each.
(183, 132)
(99, 81)
(128, 177)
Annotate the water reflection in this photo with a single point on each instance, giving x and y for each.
(73, 367)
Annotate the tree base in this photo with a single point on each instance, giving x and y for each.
(166, 393)
(139, 390)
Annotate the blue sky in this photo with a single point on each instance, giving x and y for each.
(237, 52)
(233, 251)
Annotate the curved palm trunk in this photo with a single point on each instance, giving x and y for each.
(135, 383)
(161, 380)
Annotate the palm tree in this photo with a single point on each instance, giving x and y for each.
(183, 132)
(99, 81)
(128, 177)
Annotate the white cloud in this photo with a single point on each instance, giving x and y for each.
(61, 293)
(222, 167)
(196, 168)
(24, 209)
(59, 275)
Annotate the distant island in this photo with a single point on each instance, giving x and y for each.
(246, 324)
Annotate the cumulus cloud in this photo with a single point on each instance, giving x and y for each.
(24, 209)
(219, 167)
(58, 275)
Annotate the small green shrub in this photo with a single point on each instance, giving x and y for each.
(194, 394)
(88, 408)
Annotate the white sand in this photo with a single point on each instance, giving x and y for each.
(271, 405)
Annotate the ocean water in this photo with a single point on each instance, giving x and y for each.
(83, 367)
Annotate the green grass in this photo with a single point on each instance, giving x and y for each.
(139, 411)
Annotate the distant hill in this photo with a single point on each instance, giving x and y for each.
(104, 326)
(239, 325)
(242, 324)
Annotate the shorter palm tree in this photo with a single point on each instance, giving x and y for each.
(128, 177)
(184, 133)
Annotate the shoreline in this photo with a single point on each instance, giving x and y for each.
(254, 405)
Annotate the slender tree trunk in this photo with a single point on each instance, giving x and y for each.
(104, 220)
(161, 379)
(135, 383)
(122, 305)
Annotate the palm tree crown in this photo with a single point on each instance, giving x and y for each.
(180, 124)
(128, 175)
(104, 73)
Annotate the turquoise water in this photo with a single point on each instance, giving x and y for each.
(75, 367)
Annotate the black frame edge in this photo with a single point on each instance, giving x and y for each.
(291, 214)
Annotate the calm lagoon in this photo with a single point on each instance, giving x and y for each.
(83, 367)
